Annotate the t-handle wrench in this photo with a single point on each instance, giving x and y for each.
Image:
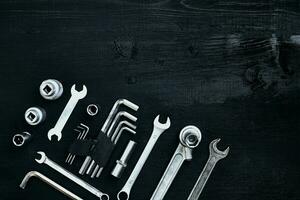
(158, 129)
(190, 137)
(44, 159)
(60, 124)
(214, 156)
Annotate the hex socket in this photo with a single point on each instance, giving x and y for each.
(21, 138)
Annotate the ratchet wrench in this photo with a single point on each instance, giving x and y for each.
(158, 129)
(190, 137)
(214, 156)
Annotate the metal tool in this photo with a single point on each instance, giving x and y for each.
(49, 182)
(122, 163)
(51, 89)
(35, 115)
(88, 163)
(75, 97)
(92, 109)
(98, 170)
(158, 129)
(114, 110)
(83, 130)
(21, 138)
(214, 156)
(190, 137)
(120, 125)
(44, 159)
(116, 119)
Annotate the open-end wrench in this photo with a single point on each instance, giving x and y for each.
(44, 159)
(158, 129)
(190, 137)
(60, 124)
(214, 156)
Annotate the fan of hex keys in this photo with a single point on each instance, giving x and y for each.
(108, 137)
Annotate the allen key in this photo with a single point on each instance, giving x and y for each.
(105, 127)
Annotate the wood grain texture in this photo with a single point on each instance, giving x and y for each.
(229, 67)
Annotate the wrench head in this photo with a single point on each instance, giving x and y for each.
(54, 132)
(161, 126)
(215, 151)
(42, 159)
(80, 94)
(190, 136)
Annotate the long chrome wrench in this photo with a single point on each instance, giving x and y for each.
(214, 156)
(158, 129)
(61, 122)
(44, 159)
(190, 137)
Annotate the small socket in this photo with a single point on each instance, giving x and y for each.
(51, 89)
(21, 138)
(92, 109)
(35, 115)
(122, 163)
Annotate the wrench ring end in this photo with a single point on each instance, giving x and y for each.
(123, 195)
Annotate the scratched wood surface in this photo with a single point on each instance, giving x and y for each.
(229, 67)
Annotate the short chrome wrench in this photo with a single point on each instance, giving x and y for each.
(158, 129)
(214, 156)
(60, 124)
(44, 159)
(190, 137)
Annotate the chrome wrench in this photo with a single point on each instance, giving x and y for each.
(158, 129)
(60, 124)
(44, 159)
(214, 156)
(190, 137)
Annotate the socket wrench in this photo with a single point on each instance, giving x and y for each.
(158, 129)
(190, 137)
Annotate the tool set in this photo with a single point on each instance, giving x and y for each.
(96, 152)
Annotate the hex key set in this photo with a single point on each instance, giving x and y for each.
(96, 152)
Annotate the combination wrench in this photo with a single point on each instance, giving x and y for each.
(214, 156)
(44, 159)
(158, 129)
(60, 124)
(190, 137)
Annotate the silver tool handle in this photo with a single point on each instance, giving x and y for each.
(169, 175)
(138, 167)
(204, 176)
(49, 182)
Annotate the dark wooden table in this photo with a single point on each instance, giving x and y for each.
(229, 67)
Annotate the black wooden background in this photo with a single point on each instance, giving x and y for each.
(229, 67)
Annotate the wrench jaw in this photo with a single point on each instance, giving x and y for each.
(54, 132)
(160, 126)
(215, 151)
(42, 159)
(81, 94)
(123, 195)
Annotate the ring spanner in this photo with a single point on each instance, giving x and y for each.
(190, 137)
(60, 124)
(214, 156)
(44, 159)
(158, 129)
